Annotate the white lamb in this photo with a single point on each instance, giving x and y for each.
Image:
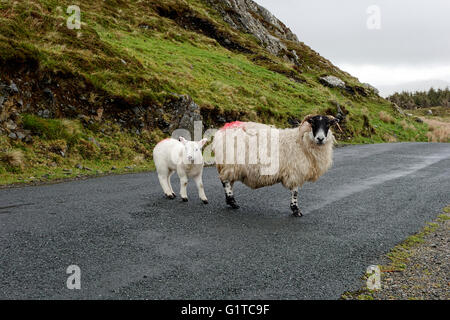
(184, 157)
(303, 154)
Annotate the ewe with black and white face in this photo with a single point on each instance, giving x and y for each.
(320, 126)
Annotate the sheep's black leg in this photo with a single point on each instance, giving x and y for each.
(229, 195)
(294, 203)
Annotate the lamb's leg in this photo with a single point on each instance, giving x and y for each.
(201, 190)
(162, 176)
(229, 194)
(294, 203)
(169, 183)
(183, 185)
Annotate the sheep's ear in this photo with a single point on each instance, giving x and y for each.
(182, 140)
(333, 120)
(307, 119)
(202, 142)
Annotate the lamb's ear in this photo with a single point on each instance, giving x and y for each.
(202, 142)
(182, 140)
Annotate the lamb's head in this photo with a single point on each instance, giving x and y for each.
(320, 132)
(192, 153)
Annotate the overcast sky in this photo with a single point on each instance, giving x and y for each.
(412, 42)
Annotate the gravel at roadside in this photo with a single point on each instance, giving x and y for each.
(419, 267)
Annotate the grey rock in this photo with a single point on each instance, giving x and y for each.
(13, 88)
(10, 125)
(332, 81)
(12, 135)
(184, 113)
(44, 113)
(417, 119)
(372, 88)
(430, 112)
(248, 16)
(20, 135)
(2, 100)
(79, 166)
(398, 109)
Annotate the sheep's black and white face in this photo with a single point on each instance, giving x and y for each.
(320, 125)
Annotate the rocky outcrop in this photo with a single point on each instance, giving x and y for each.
(179, 112)
(249, 17)
(371, 88)
(332, 81)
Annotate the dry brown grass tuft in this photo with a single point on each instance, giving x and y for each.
(389, 138)
(407, 125)
(385, 117)
(438, 131)
(139, 158)
(13, 158)
(71, 126)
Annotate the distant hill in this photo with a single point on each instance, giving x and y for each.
(422, 99)
(413, 86)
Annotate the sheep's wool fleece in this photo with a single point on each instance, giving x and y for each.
(300, 159)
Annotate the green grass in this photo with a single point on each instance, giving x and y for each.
(60, 145)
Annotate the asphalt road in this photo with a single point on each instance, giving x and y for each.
(130, 242)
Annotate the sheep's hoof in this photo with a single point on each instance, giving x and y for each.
(232, 203)
(184, 199)
(297, 213)
(174, 195)
(205, 201)
(170, 196)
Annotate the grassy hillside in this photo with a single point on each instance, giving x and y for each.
(138, 54)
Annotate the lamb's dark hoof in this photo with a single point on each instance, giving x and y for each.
(185, 199)
(174, 195)
(205, 201)
(170, 196)
(232, 203)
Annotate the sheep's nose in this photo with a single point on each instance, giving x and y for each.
(320, 140)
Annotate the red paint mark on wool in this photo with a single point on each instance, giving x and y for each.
(233, 125)
(163, 140)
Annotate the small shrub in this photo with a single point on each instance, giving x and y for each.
(405, 125)
(52, 129)
(87, 149)
(49, 129)
(13, 160)
(385, 117)
(389, 138)
(111, 151)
